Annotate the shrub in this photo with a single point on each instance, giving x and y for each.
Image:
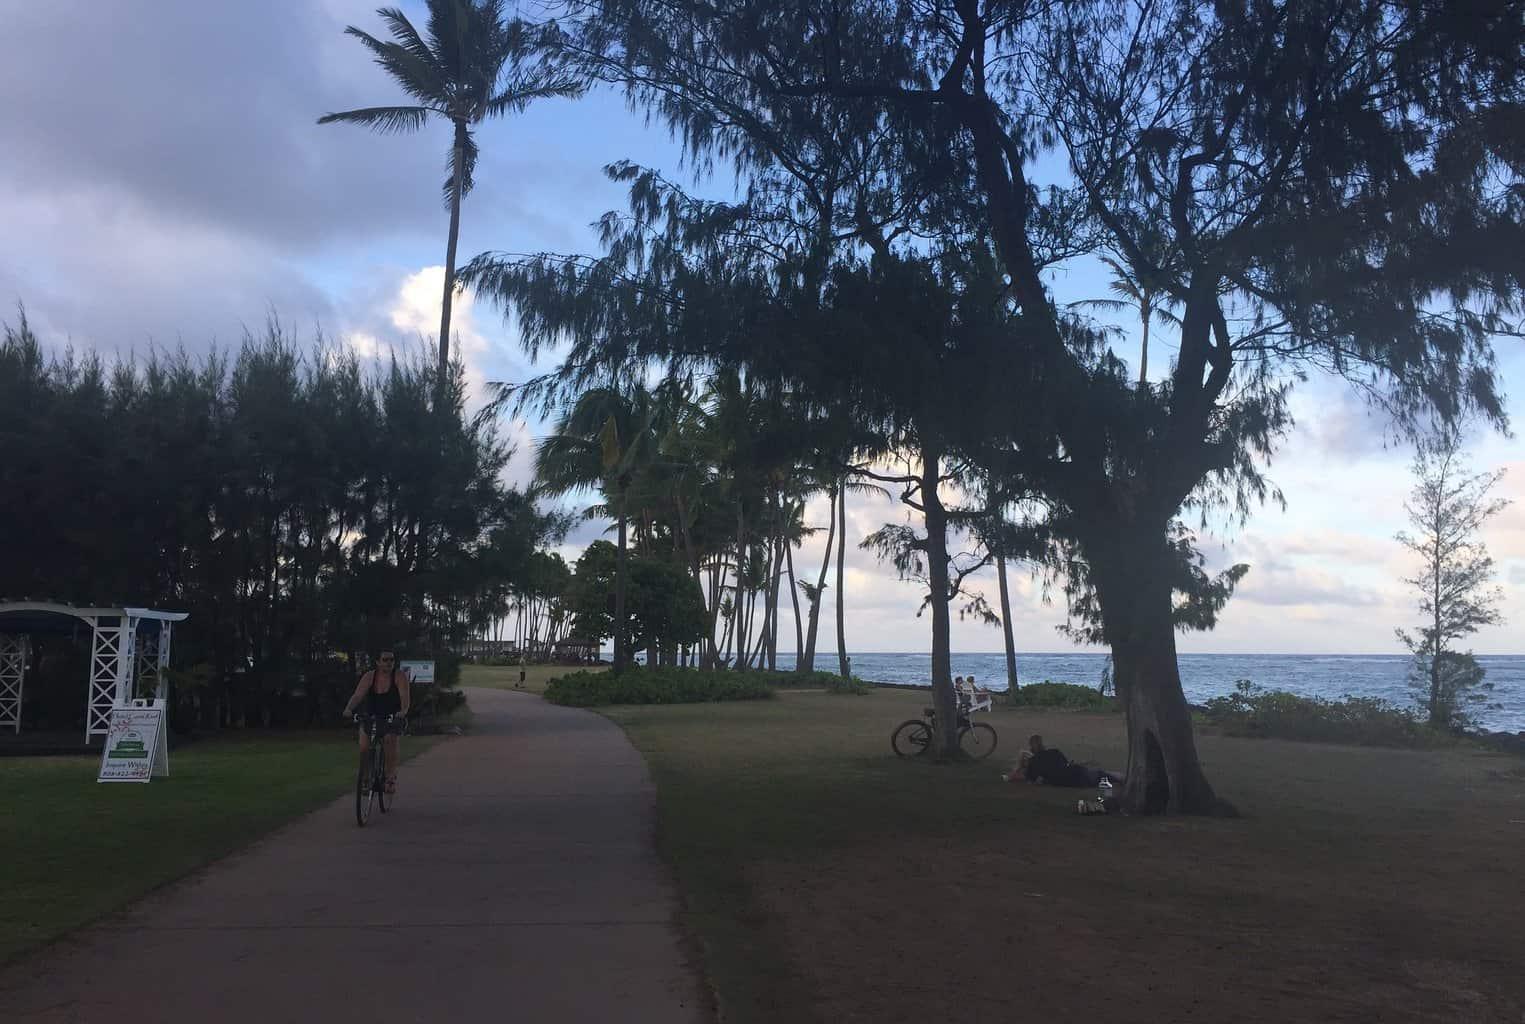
(833, 683)
(1061, 695)
(1252, 711)
(663, 685)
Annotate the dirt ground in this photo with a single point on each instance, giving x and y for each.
(1360, 885)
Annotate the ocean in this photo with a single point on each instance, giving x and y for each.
(1211, 675)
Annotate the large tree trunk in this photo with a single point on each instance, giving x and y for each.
(1132, 571)
(708, 657)
(743, 608)
(775, 578)
(1011, 644)
(448, 297)
(794, 597)
(717, 594)
(808, 664)
(936, 518)
(842, 660)
(620, 641)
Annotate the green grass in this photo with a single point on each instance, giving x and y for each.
(74, 850)
(1060, 695)
(656, 686)
(787, 779)
(827, 880)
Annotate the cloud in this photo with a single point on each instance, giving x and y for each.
(1285, 586)
(206, 114)
(163, 176)
(1339, 424)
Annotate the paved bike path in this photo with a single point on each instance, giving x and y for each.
(515, 880)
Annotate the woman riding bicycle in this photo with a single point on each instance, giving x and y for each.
(385, 691)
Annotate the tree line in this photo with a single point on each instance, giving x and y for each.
(304, 507)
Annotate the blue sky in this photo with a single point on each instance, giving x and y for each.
(172, 187)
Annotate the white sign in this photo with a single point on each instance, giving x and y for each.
(136, 749)
(418, 671)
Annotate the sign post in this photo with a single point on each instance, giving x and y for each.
(418, 671)
(136, 748)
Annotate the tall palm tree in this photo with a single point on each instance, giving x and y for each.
(605, 440)
(1137, 290)
(473, 65)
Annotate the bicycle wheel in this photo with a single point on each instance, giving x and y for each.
(382, 798)
(977, 741)
(912, 738)
(363, 788)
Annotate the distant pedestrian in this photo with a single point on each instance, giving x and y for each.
(523, 661)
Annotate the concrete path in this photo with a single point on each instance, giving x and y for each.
(515, 881)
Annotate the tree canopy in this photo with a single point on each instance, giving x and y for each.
(1329, 186)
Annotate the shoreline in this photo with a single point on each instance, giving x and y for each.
(1498, 739)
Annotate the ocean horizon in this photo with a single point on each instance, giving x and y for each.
(1203, 676)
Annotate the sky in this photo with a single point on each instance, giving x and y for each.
(163, 182)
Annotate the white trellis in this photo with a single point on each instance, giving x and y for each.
(13, 651)
(153, 658)
(111, 665)
(127, 646)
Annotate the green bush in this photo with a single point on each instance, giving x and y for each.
(662, 685)
(831, 682)
(1252, 711)
(1061, 695)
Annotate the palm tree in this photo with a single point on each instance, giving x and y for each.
(1141, 290)
(474, 65)
(605, 440)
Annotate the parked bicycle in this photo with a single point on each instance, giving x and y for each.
(371, 780)
(916, 736)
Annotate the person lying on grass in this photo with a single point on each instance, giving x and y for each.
(1047, 766)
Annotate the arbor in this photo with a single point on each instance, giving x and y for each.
(1447, 508)
(474, 64)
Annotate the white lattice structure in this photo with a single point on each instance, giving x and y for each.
(13, 651)
(127, 646)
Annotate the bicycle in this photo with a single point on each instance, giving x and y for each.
(915, 736)
(371, 780)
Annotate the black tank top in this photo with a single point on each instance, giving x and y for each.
(388, 703)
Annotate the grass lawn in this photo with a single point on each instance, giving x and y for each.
(73, 850)
(506, 677)
(829, 881)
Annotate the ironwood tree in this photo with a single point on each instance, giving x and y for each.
(1447, 508)
(274, 493)
(1327, 186)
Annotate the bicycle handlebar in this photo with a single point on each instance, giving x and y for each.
(362, 718)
